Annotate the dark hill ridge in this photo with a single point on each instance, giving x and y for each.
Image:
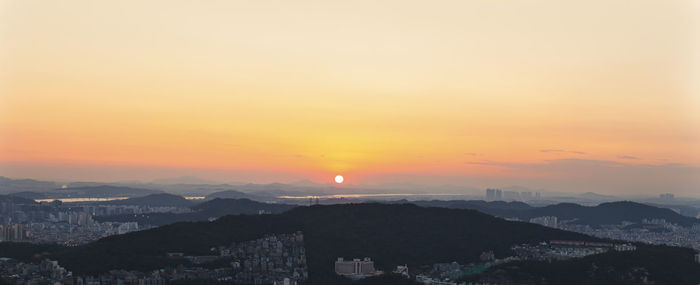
(495, 208)
(390, 234)
(642, 266)
(204, 211)
(605, 213)
(221, 207)
(8, 185)
(233, 194)
(613, 213)
(16, 200)
(29, 195)
(160, 199)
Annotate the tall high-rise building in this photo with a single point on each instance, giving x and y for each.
(490, 194)
(667, 196)
(494, 194)
(12, 232)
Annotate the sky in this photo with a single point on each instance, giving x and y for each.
(600, 96)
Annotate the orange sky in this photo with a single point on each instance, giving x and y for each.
(381, 92)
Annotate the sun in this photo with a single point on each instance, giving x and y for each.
(339, 179)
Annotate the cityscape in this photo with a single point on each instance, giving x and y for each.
(394, 142)
(282, 258)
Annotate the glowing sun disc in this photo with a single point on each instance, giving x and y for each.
(339, 179)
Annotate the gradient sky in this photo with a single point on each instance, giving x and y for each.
(565, 95)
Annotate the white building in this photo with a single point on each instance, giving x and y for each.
(355, 268)
(402, 270)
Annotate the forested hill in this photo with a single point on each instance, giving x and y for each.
(647, 265)
(156, 200)
(389, 234)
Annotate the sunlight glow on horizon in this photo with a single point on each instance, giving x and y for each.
(279, 91)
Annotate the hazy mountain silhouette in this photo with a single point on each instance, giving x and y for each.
(605, 213)
(16, 200)
(160, 199)
(234, 194)
(185, 180)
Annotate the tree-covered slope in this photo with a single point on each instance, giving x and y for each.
(647, 265)
(389, 234)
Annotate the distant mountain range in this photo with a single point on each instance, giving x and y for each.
(605, 213)
(8, 185)
(214, 207)
(102, 191)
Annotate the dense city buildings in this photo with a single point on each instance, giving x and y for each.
(268, 259)
(650, 231)
(273, 259)
(501, 195)
(563, 250)
(13, 232)
(69, 223)
(44, 272)
(282, 258)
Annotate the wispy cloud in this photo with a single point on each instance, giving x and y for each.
(492, 164)
(627, 157)
(482, 162)
(562, 151)
(551, 150)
